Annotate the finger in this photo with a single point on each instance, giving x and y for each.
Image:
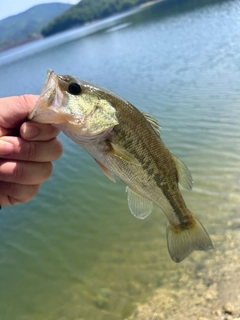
(14, 110)
(13, 193)
(8, 132)
(16, 148)
(25, 173)
(6, 200)
(37, 131)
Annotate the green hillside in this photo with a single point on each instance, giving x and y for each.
(87, 11)
(27, 25)
(91, 10)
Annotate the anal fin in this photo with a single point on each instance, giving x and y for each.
(140, 207)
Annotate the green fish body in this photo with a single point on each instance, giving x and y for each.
(125, 143)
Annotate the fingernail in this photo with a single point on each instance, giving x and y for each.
(30, 132)
(6, 148)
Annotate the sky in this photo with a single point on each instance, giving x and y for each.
(11, 7)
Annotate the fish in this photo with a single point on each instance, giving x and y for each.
(125, 143)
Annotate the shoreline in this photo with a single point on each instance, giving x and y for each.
(19, 44)
(39, 36)
(206, 288)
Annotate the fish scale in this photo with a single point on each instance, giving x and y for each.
(126, 143)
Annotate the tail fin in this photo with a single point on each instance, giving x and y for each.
(181, 242)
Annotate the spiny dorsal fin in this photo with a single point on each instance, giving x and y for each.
(140, 207)
(156, 127)
(184, 175)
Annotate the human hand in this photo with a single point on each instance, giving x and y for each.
(26, 150)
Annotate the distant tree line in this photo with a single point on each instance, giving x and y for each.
(90, 10)
(87, 11)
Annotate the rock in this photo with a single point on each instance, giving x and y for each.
(102, 299)
(101, 302)
(217, 313)
(228, 308)
(205, 290)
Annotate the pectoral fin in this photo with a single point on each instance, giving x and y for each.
(140, 207)
(107, 172)
(184, 175)
(123, 154)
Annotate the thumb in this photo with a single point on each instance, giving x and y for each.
(14, 110)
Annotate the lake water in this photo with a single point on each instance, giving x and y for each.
(75, 251)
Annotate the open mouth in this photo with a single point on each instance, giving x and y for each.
(44, 110)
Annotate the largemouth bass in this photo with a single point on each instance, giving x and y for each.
(126, 143)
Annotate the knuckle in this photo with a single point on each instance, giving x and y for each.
(14, 190)
(22, 193)
(18, 172)
(31, 151)
(14, 193)
(13, 201)
(25, 98)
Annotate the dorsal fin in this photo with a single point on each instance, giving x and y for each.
(153, 122)
(184, 175)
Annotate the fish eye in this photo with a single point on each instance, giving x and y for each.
(74, 88)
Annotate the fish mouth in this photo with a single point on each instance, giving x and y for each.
(90, 117)
(46, 109)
